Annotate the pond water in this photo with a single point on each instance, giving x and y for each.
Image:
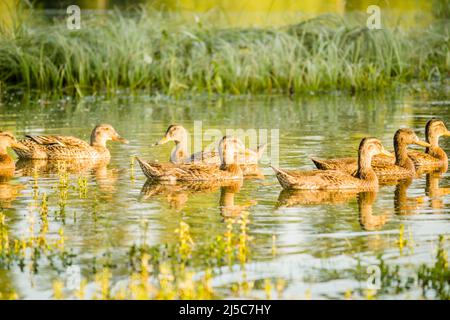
(315, 244)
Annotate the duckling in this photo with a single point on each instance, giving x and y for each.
(179, 135)
(68, 147)
(7, 165)
(365, 178)
(434, 155)
(402, 168)
(229, 147)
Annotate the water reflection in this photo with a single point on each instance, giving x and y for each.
(317, 226)
(403, 204)
(8, 190)
(290, 198)
(105, 178)
(227, 205)
(30, 167)
(367, 219)
(436, 193)
(176, 194)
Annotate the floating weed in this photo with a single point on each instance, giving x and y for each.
(401, 242)
(58, 288)
(348, 294)
(274, 245)
(435, 280)
(280, 285)
(35, 185)
(308, 294)
(9, 295)
(82, 187)
(371, 294)
(243, 237)
(185, 242)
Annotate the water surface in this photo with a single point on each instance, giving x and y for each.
(319, 244)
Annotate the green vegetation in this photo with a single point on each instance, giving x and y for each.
(164, 54)
(180, 270)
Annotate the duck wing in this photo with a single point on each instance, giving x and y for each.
(62, 141)
(423, 159)
(206, 157)
(391, 171)
(317, 180)
(184, 172)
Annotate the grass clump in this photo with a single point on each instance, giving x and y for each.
(158, 52)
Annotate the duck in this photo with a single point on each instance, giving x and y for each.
(384, 167)
(7, 164)
(229, 147)
(434, 155)
(55, 147)
(365, 179)
(179, 135)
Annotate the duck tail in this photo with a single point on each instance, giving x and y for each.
(285, 179)
(320, 164)
(281, 172)
(147, 169)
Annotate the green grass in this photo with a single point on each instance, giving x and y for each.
(164, 54)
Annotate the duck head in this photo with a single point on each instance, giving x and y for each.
(103, 133)
(174, 133)
(7, 140)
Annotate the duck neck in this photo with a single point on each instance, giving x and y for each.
(5, 159)
(98, 140)
(3, 151)
(179, 153)
(365, 171)
(401, 156)
(435, 150)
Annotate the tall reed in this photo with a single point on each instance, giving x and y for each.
(159, 53)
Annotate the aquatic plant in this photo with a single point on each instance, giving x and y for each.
(436, 278)
(163, 53)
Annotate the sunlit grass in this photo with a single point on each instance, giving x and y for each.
(154, 52)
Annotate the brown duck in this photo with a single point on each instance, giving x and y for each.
(434, 155)
(229, 147)
(179, 135)
(383, 166)
(364, 179)
(68, 147)
(7, 165)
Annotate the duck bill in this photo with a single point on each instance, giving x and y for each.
(447, 134)
(422, 143)
(162, 141)
(120, 139)
(20, 146)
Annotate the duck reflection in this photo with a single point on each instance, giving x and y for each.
(228, 208)
(252, 172)
(403, 204)
(8, 191)
(290, 198)
(177, 194)
(434, 191)
(367, 219)
(29, 167)
(105, 177)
